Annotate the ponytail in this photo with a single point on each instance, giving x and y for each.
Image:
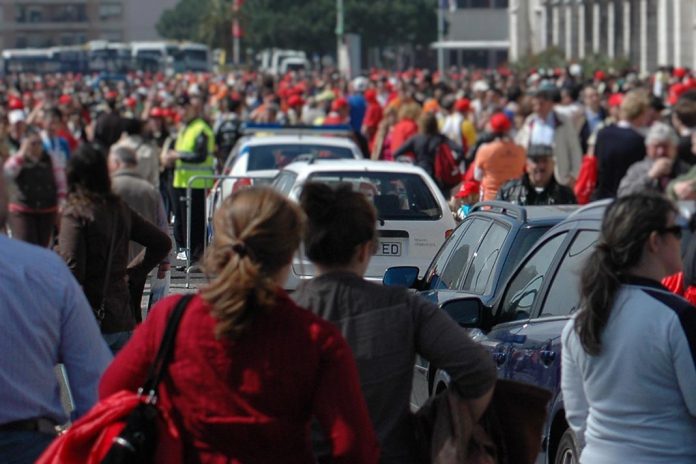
(257, 231)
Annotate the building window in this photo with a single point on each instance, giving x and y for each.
(482, 3)
(112, 36)
(29, 14)
(110, 11)
(70, 13)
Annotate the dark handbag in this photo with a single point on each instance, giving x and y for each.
(137, 441)
(100, 311)
(510, 431)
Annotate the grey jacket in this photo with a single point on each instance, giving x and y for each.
(637, 179)
(386, 327)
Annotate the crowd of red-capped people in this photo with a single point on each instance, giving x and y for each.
(386, 110)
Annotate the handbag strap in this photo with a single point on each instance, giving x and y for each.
(166, 349)
(107, 274)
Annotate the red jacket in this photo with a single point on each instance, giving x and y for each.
(251, 401)
(401, 132)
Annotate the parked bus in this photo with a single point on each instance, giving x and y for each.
(29, 60)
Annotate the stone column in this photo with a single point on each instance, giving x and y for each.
(678, 17)
(596, 27)
(643, 35)
(627, 29)
(569, 24)
(581, 30)
(611, 29)
(662, 25)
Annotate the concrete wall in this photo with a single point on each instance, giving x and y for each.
(478, 24)
(140, 18)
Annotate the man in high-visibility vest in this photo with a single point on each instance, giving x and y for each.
(193, 155)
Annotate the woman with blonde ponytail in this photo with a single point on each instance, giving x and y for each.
(250, 368)
(628, 372)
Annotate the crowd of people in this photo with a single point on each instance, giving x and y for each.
(97, 170)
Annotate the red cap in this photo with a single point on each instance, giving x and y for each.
(111, 95)
(65, 100)
(462, 105)
(295, 100)
(679, 73)
(469, 187)
(15, 104)
(130, 102)
(339, 104)
(371, 96)
(500, 123)
(599, 75)
(157, 112)
(615, 99)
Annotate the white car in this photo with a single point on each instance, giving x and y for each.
(256, 159)
(413, 216)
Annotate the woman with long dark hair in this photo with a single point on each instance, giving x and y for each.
(95, 230)
(250, 368)
(629, 355)
(385, 326)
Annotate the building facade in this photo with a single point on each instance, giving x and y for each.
(649, 33)
(476, 33)
(45, 23)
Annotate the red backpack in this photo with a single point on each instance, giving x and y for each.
(445, 168)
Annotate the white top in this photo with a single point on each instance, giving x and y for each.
(636, 401)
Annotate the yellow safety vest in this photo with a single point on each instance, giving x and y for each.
(186, 143)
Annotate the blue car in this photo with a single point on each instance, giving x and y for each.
(521, 323)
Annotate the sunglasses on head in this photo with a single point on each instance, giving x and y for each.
(675, 230)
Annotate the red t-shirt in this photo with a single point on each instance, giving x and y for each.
(251, 401)
(401, 132)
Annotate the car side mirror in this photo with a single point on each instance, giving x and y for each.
(467, 312)
(400, 276)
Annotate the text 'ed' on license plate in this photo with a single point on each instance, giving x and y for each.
(388, 248)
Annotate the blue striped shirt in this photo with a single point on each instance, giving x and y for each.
(45, 320)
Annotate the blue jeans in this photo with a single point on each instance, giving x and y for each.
(22, 446)
(117, 340)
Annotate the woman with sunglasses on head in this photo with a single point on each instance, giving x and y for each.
(385, 326)
(250, 368)
(629, 355)
(39, 189)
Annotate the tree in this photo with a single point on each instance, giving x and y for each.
(182, 21)
(307, 25)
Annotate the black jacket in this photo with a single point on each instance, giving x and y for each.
(521, 192)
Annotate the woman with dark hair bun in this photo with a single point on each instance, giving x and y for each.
(95, 230)
(250, 368)
(629, 355)
(385, 326)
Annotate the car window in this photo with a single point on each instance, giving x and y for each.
(396, 195)
(278, 156)
(478, 278)
(564, 294)
(284, 181)
(432, 276)
(524, 241)
(523, 289)
(455, 266)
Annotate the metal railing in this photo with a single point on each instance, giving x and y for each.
(210, 209)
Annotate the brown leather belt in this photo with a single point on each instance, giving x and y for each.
(41, 424)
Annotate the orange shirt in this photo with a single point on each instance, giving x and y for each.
(500, 161)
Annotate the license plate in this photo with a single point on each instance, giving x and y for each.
(388, 248)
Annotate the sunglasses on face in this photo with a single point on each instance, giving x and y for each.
(674, 230)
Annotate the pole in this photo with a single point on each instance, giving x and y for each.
(440, 40)
(339, 29)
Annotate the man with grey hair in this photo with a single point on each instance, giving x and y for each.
(660, 165)
(140, 195)
(46, 320)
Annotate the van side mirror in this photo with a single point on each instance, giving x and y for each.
(400, 276)
(467, 312)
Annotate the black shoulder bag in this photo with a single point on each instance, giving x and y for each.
(137, 441)
(100, 312)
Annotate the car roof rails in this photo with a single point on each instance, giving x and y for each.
(595, 205)
(279, 129)
(502, 207)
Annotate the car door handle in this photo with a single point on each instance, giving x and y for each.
(499, 358)
(547, 357)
